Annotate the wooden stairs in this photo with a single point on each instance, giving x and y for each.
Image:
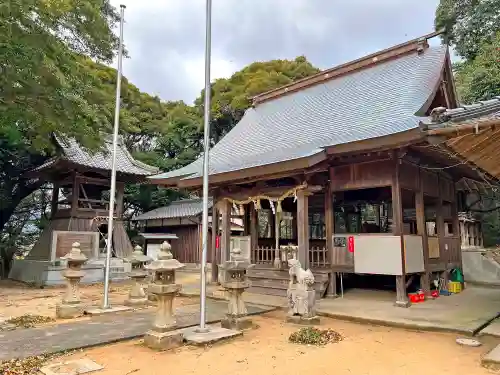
(269, 281)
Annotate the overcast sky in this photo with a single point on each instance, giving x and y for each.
(166, 38)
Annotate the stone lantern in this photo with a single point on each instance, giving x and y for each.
(235, 281)
(137, 296)
(71, 305)
(163, 286)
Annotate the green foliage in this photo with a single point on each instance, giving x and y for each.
(479, 79)
(469, 24)
(232, 96)
(315, 336)
(46, 84)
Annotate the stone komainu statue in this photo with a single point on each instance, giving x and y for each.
(301, 294)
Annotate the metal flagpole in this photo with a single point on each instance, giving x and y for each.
(105, 303)
(206, 146)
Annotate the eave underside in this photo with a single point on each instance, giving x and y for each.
(475, 147)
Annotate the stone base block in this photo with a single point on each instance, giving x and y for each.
(214, 334)
(163, 340)
(404, 304)
(66, 311)
(238, 324)
(99, 311)
(492, 359)
(137, 302)
(298, 319)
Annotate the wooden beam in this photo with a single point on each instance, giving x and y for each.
(422, 231)
(303, 228)
(397, 221)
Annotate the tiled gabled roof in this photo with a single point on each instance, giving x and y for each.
(177, 209)
(72, 152)
(379, 100)
(473, 114)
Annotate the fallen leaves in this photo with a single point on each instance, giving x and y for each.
(29, 320)
(26, 366)
(315, 336)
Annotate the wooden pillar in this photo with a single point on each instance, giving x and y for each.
(456, 226)
(55, 199)
(277, 254)
(329, 225)
(120, 191)
(225, 241)
(440, 222)
(422, 231)
(214, 250)
(225, 238)
(303, 228)
(254, 232)
(75, 194)
(397, 221)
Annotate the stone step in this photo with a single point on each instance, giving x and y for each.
(283, 275)
(267, 291)
(278, 288)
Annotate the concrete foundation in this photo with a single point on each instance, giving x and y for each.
(163, 340)
(46, 273)
(213, 335)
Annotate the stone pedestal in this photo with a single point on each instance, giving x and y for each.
(235, 282)
(71, 306)
(301, 295)
(164, 288)
(137, 297)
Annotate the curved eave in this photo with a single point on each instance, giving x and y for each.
(281, 168)
(379, 143)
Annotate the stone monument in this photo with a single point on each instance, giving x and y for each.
(71, 305)
(163, 286)
(235, 282)
(137, 296)
(301, 295)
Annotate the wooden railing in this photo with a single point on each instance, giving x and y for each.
(318, 257)
(263, 255)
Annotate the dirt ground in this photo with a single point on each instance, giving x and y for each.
(266, 350)
(17, 299)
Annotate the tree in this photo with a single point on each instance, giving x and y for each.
(232, 96)
(46, 84)
(469, 24)
(479, 79)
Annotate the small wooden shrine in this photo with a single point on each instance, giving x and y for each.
(79, 209)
